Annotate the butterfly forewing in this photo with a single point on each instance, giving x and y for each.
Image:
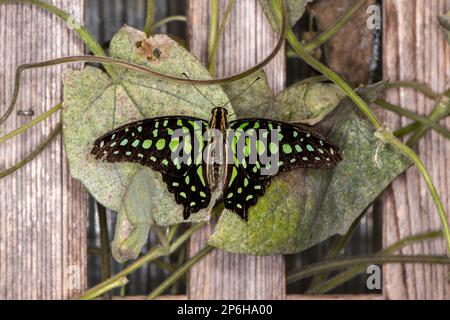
(165, 144)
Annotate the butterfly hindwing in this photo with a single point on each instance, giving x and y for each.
(152, 143)
(242, 191)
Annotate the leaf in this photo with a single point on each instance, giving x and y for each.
(95, 104)
(294, 10)
(135, 216)
(444, 21)
(303, 102)
(304, 207)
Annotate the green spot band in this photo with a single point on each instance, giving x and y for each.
(309, 147)
(124, 142)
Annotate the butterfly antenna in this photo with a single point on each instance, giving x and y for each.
(239, 94)
(184, 74)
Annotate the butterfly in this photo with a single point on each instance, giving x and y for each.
(197, 157)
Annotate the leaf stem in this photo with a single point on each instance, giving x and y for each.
(166, 20)
(149, 21)
(423, 88)
(34, 153)
(440, 111)
(181, 271)
(30, 124)
(364, 260)
(215, 44)
(212, 35)
(119, 282)
(412, 115)
(331, 31)
(337, 246)
(104, 245)
(349, 274)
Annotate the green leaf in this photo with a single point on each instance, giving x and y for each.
(305, 102)
(444, 21)
(93, 105)
(135, 216)
(294, 9)
(304, 207)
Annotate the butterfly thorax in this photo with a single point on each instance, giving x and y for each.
(216, 169)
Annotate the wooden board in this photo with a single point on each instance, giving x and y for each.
(42, 210)
(414, 49)
(248, 39)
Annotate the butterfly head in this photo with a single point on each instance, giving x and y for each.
(219, 118)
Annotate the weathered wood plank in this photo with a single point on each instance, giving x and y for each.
(415, 49)
(42, 210)
(247, 40)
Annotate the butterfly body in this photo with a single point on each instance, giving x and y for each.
(199, 158)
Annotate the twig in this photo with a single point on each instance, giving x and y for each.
(364, 260)
(440, 111)
(32, 123)
(119, 282)
(179, 272)
(337, 246)
(349, 274)
(215, 40)
(412, 115)
(166, 20)
(149, 21)
(331, 31)
(34, 153)
(104, 245)
(423, 88)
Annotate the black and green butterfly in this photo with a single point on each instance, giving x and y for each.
(198, 162)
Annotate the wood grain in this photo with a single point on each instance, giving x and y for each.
(354, 37)
(42, 210)
(248, 39)
(415, 49)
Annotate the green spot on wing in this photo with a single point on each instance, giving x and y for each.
(200, 175)
(233, 176)
(147, 144)
(135, 143)
(287, 148)
(160, 144)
